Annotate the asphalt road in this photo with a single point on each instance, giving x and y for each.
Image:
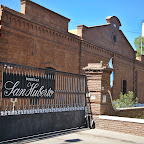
(80, 136)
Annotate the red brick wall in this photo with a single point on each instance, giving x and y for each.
(120, 126)
(139, 67)
(44, 16)
(28, 43)
(134, 112)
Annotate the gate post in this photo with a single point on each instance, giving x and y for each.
(98, 83)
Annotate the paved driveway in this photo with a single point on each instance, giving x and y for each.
(81, 136)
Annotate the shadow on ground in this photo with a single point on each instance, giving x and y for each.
(34, 138)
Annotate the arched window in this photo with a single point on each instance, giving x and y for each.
(124, 87)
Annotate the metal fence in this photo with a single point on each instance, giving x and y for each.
(28, 90)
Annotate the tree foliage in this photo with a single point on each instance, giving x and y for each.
(137, 43)
(126, 100)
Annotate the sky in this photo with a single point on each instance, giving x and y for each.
(94, 12)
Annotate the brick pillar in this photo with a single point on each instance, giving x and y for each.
(98, 83)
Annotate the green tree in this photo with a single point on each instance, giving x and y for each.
(126, 100)
(137, 43)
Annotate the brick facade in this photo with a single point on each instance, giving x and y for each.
(100, 99)
(134, 128)
(100, 106)
(39, 37)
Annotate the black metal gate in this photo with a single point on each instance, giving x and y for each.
(28, 90)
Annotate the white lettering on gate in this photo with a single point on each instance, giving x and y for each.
(31, 92)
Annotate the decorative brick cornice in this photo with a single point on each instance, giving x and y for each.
(20, 22)
(87, 46)
(97, 67)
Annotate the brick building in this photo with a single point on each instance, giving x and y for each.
(39, 37)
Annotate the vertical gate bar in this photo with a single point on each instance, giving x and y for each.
(69, 89)
(34, 96)
(48, 101)
(8, 98)
(17, 100)
(79, 90)
(46, 80)
(73, 91)
(47, 88)
(20, 98)
(62, 96)
(28, 109)
(6, 101)
(76, 90)
(52, 78)
(62, 92)
(11, 106)
(55, 91)
(45, 97)
(4, 98)
(23, 98)
(38, 97)
(24, 86)
(53, 99)
(1, 92)
(66, 92)
(84, 89)
(7, 105)
(48, 98)
(55, 88)
(32, 103)
(58, 90)
(42, 98)
(31, 99)
(15, 72)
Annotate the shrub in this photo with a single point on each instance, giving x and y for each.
(126, 100)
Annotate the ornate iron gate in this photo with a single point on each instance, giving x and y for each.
(28, 90)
